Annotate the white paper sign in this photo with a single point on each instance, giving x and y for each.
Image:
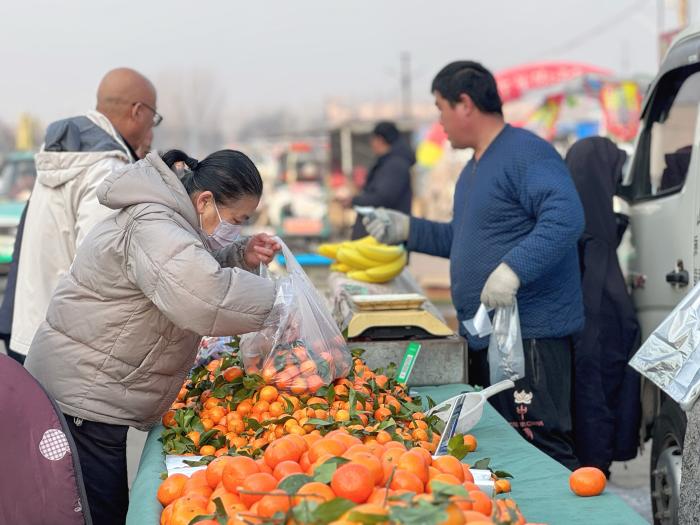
(483, 480)
(176, 464)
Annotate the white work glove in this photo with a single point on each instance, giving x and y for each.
(387, 226)
(500, 287)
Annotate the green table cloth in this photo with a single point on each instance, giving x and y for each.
(540, 485)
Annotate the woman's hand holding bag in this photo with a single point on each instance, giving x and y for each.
(260, 249)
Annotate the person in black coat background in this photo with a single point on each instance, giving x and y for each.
(606, 400)
(388, 182)
(8, 299)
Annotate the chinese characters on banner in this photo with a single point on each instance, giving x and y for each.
(515, 82)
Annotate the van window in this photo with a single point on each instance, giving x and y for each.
(665, 147)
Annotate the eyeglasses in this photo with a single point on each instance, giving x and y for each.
(157, 117)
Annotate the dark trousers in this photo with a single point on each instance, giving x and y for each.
(102, 455)
(539, 407)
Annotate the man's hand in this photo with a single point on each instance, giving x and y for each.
(261, 248)
(387, 226)
(500, 287)
(345, 200)
(343, 196)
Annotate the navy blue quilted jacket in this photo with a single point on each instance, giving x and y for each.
(516, 205)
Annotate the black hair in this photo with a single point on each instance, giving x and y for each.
(470, 78)
(228, 174)
(387, 130)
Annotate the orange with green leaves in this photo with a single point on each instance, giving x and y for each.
(229, 411)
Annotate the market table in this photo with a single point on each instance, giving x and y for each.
(540, 484)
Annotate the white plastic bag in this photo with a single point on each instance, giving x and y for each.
(300, 347)
(506, 356)
(670, 357)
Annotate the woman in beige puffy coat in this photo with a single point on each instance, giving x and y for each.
(123, 325)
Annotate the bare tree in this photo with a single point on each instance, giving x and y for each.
(281, 123)
(193, 104)
(269, 124)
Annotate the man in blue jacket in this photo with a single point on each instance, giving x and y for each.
(516, 221)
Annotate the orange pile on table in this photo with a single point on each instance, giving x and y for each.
(359, 450)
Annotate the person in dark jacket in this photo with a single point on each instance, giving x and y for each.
(516, 221)
(606, 391)
(389, 181)
(8, 299)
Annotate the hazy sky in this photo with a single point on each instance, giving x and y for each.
(295, 54)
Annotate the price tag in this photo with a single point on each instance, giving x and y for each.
(175, 464)
(409, 359)
(450, 425)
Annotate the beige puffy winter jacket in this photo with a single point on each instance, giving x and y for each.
(123, 325)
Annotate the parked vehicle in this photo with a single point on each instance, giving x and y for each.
(662, 194)
(17, 177)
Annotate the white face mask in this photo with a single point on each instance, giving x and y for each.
(224, 234)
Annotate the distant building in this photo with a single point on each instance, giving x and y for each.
(338, 112)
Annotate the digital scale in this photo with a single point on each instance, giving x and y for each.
(384, 319)
(393, 317)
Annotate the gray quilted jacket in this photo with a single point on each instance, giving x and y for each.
(123, 325)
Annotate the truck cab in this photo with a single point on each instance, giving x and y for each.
(661, 191)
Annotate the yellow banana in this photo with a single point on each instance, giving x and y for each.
(381, 253)
(388, 271)
(360, 275)
(329, 250)
(366, 240)
(350, 256)
(340, 267)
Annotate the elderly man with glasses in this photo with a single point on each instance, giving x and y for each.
(77, 155)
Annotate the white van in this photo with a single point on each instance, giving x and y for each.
(662, 195)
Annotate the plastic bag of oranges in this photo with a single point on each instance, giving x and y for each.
(300, 348)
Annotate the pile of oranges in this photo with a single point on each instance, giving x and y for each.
(334, 479)
(222, 410)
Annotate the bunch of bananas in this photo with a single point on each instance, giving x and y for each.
(366, 259)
